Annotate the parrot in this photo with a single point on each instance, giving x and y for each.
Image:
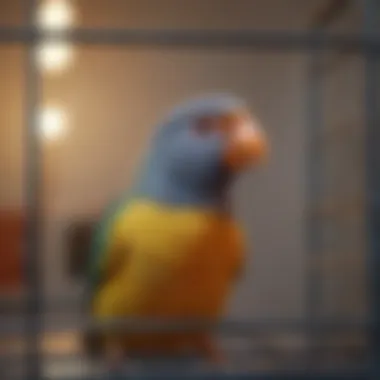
(170, 247)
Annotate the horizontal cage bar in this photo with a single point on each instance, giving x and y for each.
(254, 39)
(215, 375)
(12, 326)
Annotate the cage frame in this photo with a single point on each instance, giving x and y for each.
(313, 41)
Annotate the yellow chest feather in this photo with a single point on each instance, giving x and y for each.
(172, 263)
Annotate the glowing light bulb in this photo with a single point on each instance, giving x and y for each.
(54, 57)
(52, 123)
(55, 15)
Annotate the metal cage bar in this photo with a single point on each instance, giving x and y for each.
(250, 39)
(33, 311)
(314, 176)
(372, 103)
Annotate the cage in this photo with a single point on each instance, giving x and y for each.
(81, 91)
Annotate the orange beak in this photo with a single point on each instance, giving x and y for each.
(247, 145)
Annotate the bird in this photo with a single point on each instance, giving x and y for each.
(170, 247)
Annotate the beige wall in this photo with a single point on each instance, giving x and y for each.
(344, 256)
(190, 14)
(11, 119)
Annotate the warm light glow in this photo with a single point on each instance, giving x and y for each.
(52, 124)
(55, 15)
(54, 56)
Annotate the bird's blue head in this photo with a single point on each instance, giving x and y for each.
(198, 150)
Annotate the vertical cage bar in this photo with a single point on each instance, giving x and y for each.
(32, 262)
(314, 177)
(372, 17)
(373, 205)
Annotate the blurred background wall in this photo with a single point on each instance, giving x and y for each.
(112, 97)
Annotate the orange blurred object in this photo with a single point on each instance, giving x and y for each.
(11, 245)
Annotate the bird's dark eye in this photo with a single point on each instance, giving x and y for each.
(224, 124)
